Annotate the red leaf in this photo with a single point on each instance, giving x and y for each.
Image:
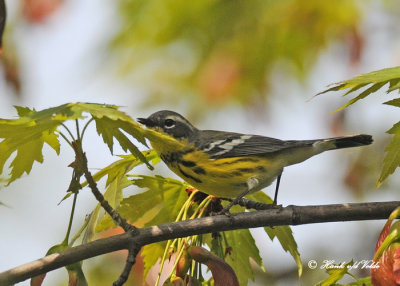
(37, 11)
(183, 265)
(396, 265)
(385, 274)
(38, 280)
(222, 272)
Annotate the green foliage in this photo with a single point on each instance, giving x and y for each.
(152, 253)
(366, 281)
(27, 134)
(116, 182)
(216, 51)
(283, 233)
(337, 272)
(376, 80)
(160, 203)
(123, 166)
(161, 200)
(392, 158)
(243, 249)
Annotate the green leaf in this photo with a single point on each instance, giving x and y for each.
(377, 79)
(335, 274)
(243, 249)
(383, 75)
(394, 84)
(283, 233)
(285, 236)
(123, 166)
(27, 140)
(52, 140)
(23, 111)
(366, 281)
(27, 134)
(167, 194)
(392, 237)
(116, 182)
(113, 195)
(392, 157)
(393, 102)
(110, 124)
(362, 95)
(151, 253)
(161, 202)
(223, 39)
(142, 206)
(110, 129)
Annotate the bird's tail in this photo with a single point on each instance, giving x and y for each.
(300, 150)
(351, 141)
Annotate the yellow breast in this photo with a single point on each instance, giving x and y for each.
(225, 177)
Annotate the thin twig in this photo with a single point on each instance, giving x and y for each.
(71, 218)
(130, 261)
(78, 135)
(69, 131)
(86, 126)
(65, 138)
(79, 232)
(250, 204)
(82, 161)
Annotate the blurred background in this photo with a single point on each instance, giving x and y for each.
(243, 66)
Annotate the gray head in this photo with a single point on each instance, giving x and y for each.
(171, 123)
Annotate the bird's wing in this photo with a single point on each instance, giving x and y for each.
(226, 144)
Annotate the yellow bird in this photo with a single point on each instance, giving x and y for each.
(227, 164)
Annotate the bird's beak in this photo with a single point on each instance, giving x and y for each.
(145, 121)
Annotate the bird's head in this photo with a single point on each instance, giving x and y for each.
(169, 122)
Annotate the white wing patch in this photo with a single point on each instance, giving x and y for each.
(213, 144)
(226, 147)
(323, 145)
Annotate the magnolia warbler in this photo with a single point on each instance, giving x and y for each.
(227, 164)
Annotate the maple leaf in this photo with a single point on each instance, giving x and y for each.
(27, 134)
(283, 233)
(376, 80)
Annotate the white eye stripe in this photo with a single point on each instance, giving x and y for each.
(229, 145)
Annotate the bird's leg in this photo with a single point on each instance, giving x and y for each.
(278, 181)
(251, 184)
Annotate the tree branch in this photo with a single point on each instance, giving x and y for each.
(81, 162)
(3, 16)
(290, 215)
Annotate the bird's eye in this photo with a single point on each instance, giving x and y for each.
(169, 123)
